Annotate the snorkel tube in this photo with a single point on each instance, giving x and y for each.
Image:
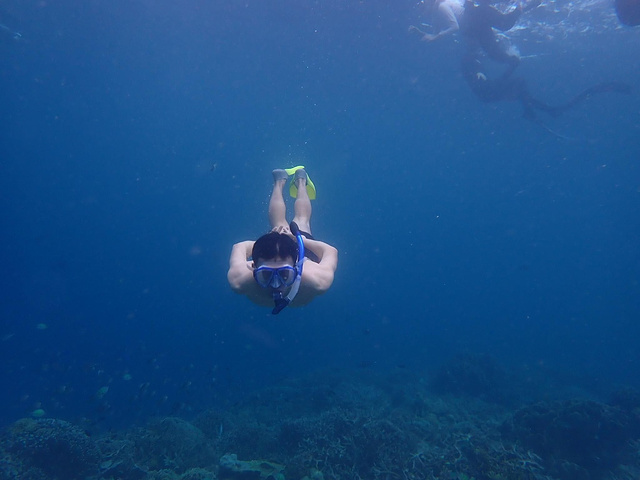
(280, 300)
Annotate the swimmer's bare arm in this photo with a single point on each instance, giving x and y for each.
(428, 37)
(319, 276)
(240, 274)
(448, 17)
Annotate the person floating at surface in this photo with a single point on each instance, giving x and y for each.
(478, 24)
(515, 89)
(477, 21)
(270, 270)
(628, 12)
(446, 16)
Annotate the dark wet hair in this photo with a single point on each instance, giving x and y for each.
(628, 12)
(273, 245)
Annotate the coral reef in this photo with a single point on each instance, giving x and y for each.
(354, 425)
(118, 457)
(198, 474)
(48, 448)
(172, 443)
(627, 399)
(233, 469)
(474, 375)
(365, 428)
(577, 439)
(165, 445)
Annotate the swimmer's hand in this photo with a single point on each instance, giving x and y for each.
(426, 37)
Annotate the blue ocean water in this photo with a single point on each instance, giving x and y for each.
(137, 144)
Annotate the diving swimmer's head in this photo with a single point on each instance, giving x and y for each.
(274, 261)
(273, 245)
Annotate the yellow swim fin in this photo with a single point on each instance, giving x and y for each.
(293, 190)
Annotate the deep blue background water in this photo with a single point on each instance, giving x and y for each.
(461, 227)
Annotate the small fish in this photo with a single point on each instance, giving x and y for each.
(102, 392)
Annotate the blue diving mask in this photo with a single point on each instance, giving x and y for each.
(275, 277)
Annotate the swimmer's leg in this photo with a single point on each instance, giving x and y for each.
(302, 205)
(501, 50)
(277, 207)
(615, 87)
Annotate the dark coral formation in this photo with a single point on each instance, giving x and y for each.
(49, 448)
(577, 439)
(172, 443)
(167, 447)
(627, 399)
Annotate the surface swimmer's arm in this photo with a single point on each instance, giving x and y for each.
(320, 275)
(240, 274)
(448, 17)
